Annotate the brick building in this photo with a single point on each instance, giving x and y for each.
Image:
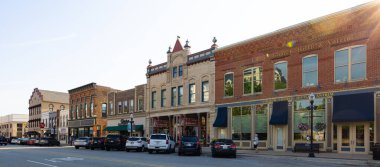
(85, 115)
(13, 125)
(124, 105)
(262, 84)
(180, 92)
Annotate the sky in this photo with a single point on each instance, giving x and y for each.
(61, 45)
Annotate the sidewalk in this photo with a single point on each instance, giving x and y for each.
(347, 159)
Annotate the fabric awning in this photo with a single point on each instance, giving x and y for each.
(221, 117)
(125, 128)
(353, 108)
(280, 113)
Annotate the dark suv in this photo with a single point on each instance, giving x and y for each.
(190, 144)
(3, 140)
(115, 141)
(97, 142)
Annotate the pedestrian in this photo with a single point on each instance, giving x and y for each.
(256, 142)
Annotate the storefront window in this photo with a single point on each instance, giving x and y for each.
(241, 123)
(261, 121)
(302, 117)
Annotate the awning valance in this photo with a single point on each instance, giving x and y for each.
(125, 128)
(221, 118)
(353, 108)
(280, 113)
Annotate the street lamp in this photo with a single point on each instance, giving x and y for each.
(311, 107)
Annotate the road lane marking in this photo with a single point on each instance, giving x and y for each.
(41, 163)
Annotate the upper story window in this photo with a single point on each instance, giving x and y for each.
(120, 107)
(51, 107)
(280, 75)
(111, 108)
(140, 104)
(174, 72)
(126, 106)
(310, 71)
(174, 96)
(180, 70)
(191, 93)
(350, 64)
(205, 91)
(154, 99)
(252, 79)
(229, 84)
(62, 107)
(104, 110)
(91, 106)
(180, 95)
(163, 97)
(131, 106)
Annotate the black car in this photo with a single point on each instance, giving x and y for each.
(223, 147)
(190, 144)
(115, 141)
(97, 142)
(47, 141)
(24, 141)
(3, 140)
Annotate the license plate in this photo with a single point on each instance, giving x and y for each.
(225, 147)
(111, 141)
(157, 142)
(95, 142)
(188, 144)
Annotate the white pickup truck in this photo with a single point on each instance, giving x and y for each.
(161, 142)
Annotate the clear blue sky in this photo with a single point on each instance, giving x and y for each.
(60, 45)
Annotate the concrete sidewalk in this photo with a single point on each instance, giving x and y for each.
(347, 159)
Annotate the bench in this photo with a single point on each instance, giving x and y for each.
(304, 147)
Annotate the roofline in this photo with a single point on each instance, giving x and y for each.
(315, 20)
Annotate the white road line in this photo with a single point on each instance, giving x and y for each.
(41, 163)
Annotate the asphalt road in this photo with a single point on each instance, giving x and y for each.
(27, 156)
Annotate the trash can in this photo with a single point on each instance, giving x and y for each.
(376, 151)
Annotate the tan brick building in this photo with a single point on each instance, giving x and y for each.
(263, 83)
(44, 101)
(180, 93)
(121, 106)
(85, 115)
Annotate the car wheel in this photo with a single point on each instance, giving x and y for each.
(87, 147)
(103, 148)
(92, 148)
(150, 151)
(213, 155)
(76, 147)
(179, 153)
(108, 149)
(173, 151)
(127, 150)
(142, 149)
(234, 156)
(199, 153)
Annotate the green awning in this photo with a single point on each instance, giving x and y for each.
(124, 128)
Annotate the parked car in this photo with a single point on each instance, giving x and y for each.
(31, 142)
(190, 144)
(23, 141)
(37, 142)
(136, 143)
(15, 141)
(48, 141)
(82, 142)
(161, 142)
(115, 141)
(97, 142)
(223, 147)
(3, 141)
(10, 139)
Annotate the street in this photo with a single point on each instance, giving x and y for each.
(29, 156)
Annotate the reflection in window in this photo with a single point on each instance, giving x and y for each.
(280, 75)
(163, 97)
(154, 99)
(310, 71)
(192, 93)
(350, 64)
(229, 85)
(302, 115)
(180, 95)
(261, 121)
(205, 91)
(174, 96)
(252, 80)
(104, 110)
(140, 103)
(241, 123)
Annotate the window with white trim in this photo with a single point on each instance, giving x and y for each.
(350, 64)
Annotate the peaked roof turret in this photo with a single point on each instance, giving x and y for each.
(177, 46)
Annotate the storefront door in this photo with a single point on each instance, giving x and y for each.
(353, 138)
(279, 133)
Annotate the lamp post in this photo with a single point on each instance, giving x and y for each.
(311, 99)
(131, 116)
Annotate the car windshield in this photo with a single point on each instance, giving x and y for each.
(189, 139)
(159, 137)
(133, 139)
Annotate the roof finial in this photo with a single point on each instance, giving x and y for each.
(214, 41)
(150, 62)
(178, 37)
(169, 50)
(187, 46)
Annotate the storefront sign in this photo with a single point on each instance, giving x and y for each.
(161, 123)
(280, 54)
(308, 48)
(321, 95)
(80, 123)
(349, 38)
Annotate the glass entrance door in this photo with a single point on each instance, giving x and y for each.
(353, 138)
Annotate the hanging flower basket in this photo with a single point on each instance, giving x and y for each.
(303, 127)
(320, 126)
